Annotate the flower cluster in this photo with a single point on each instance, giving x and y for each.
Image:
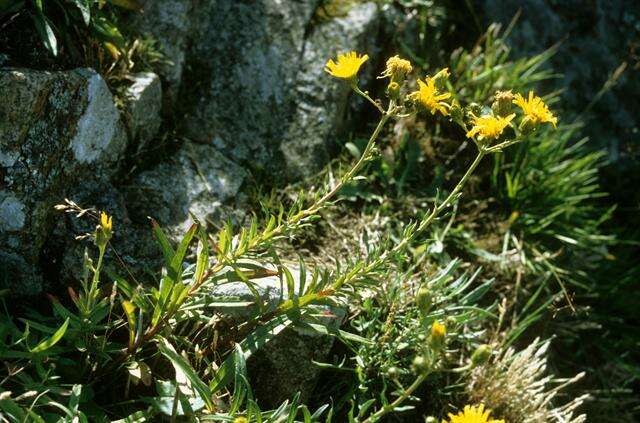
(433, 97)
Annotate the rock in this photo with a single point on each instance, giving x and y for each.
(320, 101)
(283, 367)
(56, 129)
(255, 71)
(594, 42)
(198, 180)
(169, 23)
(144, 103)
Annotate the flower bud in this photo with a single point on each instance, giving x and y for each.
(424, 300)
(456, 112)
(397, 69)
(481, 355)
(438, 333)
(104, 231)
(420, 364)
(503, 103)
(393, 90)
(441, 78)
(430, 419)
(393, 372)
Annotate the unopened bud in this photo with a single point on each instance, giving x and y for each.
(393, 90)
(438, 333)
(441, 78)
(420, 364)
(424, 300)
(503, 103)
(430, 419)
(104, 231)
(393, 372)
(397, 69)
(456, 112)
(481, 355)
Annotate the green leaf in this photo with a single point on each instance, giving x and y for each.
(202, 256)
(85, 10)
(48, 343)
(252, 343)
(165, 245)
(181, 364)
(129, 310)
(178, 257)
(46, 33)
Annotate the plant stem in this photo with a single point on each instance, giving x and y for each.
(406, 394)
(369, 99)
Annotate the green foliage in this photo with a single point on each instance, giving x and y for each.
(58, 21)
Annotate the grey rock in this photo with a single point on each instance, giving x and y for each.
(256, 72)
(198, 180)
(56, 129)
(594, 42)
(169, 23)
(144, 105)
(283, 367)
(321, 101)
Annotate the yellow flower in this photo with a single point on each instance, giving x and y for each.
(347, 65)
(397, 68)
(106, 222)
(535, 111)
(428, 96)
(104, 231)
(475, 414)
(489, 126)
(241, 420)
(438, 330)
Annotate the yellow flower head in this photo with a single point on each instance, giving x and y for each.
(397, 68)
(429, 97)
(241, 420)
(104, 231)
(347, 65)
(106, 222)
(438, 330)
(475, 414)
(535, 111)
(489, 126)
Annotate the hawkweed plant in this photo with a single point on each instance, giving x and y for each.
(140, 331)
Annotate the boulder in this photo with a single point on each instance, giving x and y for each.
(56, 129)
(256, 88)
(284, 366)
(197, 180)
(168, 22)
(593, 42)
